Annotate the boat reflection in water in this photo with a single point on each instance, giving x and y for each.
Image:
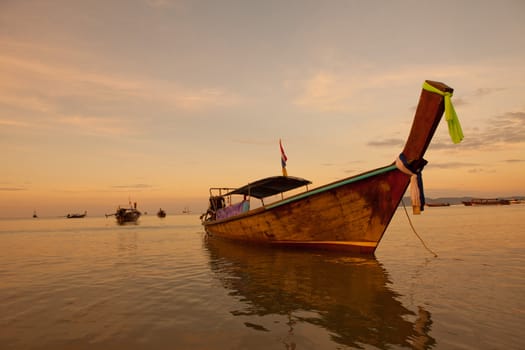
(349, 296)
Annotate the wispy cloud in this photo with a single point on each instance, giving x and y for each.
(162, 4)
(453, 165)
(500, 132)
(56, 83)
(132, 186)
(325, 91)
(486, 91)
(253, 141)
(99, 126)
(12, 189)
(386, 143)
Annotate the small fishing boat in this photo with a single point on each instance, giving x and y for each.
(161, 213)
(445, 204)
(34, 214)
(76, 216)
(486, 201)
(126, 215)
(351, 214)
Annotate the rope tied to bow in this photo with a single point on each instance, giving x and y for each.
(416, 183)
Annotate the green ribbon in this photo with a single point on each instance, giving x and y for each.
(454, 128)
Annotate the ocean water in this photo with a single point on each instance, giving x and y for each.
(92, 284)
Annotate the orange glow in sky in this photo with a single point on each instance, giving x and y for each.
(157, 100)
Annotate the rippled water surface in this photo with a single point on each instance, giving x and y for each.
(91, 284)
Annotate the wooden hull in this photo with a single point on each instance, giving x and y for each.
(128, 217)
(348, 215)
(76, 216)
(476, 202)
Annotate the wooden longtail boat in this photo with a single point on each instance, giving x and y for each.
(126, 215)
(446, 204)
(351, 214)
(486, 201)
(161, 213)
(76, 215)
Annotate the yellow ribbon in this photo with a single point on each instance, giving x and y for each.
(454, 128)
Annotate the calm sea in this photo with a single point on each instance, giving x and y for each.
(91, 284)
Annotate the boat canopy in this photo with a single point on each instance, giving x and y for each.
(270, 186)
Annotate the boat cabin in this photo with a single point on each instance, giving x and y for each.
(223, 205)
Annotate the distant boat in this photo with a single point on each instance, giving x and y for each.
(351, 214)
(161, 213)
(126, 215)
(76, 216)
(486, 201)
(34, 214)
(446, 204)
(186, 210)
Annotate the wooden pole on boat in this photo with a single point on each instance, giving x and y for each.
(427, 117)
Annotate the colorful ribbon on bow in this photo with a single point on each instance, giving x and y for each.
(454, 128)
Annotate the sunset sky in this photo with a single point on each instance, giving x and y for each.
(157, 100)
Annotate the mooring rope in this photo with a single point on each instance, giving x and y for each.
(416, 183)
(414, 230)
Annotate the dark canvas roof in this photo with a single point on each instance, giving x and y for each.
(271, 186)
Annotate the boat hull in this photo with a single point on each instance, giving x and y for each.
(491, 201)
(350, 215)
(130, 216)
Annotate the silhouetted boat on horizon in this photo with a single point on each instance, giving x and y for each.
(446, 204)
(486, 201)
(76, 216)
(126, 215)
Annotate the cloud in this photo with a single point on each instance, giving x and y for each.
(486, 91)
(458, 102)
(14, 123)
(481, 170)
(132, 186)
(386, 143)
(161, 3)
(113, 126)
(12, 189)
(324, 92)
(501, 131)
(253, 142)
(452, 165)
(507, 128)
(33, 81)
